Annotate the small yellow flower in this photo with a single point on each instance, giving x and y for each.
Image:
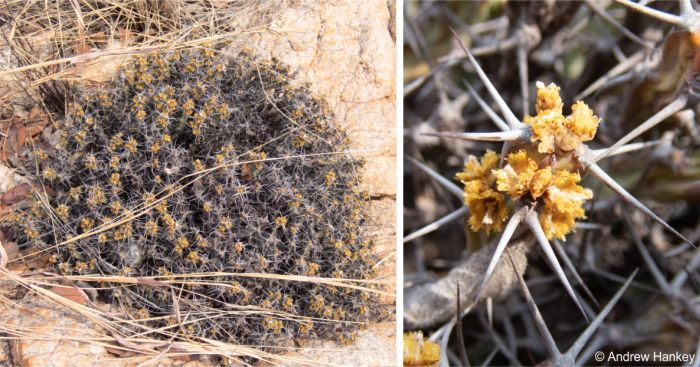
(563, 204)
(62, 211)
(114, 162)
(548, 98)
(487, 206)
(115, 206)
(75, 192)
(515, 177)
(181, 243)
(198, 166)
(418, 351)
(193, 257)
(330, 178)
(131, 145)
(50, 174)
(555, 132)
(114, 179)
(91, 162)
(140, 115)
(151, 228)
(281, 221)
(86, 224)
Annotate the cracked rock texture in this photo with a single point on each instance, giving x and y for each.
(345, 52)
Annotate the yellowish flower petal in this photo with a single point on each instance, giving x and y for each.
(563, 204)
(548, 98)
(582, 122)
(488, 208)
(541, 180)
(515, 177)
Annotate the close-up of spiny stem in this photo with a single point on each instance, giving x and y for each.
(554, 180)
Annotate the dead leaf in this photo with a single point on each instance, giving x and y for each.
(15, 133)
(120, 352)
(9, 178)
(16, 194)
(680, 58)
(72, 293)
(246, 169)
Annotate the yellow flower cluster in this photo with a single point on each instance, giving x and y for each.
(418, 351)
(488, 207)
(552, 129)
(563, 197)
(528, 172)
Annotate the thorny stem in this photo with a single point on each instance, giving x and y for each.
(668, 18)
(539, 321)
(513, 121)
(464, 210)
(533, 223)
(673, 107)
(516, 134)
(512, 225)
(451, 187)
(581, 341)
(603, 177)
(484, 106)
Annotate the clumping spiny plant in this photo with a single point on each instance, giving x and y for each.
(191, 163)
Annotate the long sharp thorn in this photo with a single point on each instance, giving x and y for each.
(551, 345)
(668, 18)
(612, 73)
(533, 222)
(603, 153)
(646, 256)
(489, 310)
(612, 21)
(507, 113)
(464, 210)
(673, 107)
(449, 185)
(522, 70)
(603, 177)
(578, 345)
(460, 334)
(512, 225)
(484, 106)
(490, 136)
(686, 8)
(562, 254)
